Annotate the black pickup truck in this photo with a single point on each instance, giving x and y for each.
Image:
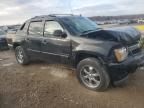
(100, 56)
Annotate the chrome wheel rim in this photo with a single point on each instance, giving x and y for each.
(90, 76)
(20, 56)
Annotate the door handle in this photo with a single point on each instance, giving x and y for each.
(44, 42)
(27, 39)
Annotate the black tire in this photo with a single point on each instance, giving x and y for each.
(25, 59)
(132, 69)
(104, 79)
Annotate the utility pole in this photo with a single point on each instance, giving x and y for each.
(70, 7)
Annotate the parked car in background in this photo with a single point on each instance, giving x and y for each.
(10, 37)
(123, 21)
(3, 41)
(140, 21)
(100, 22)
(100, 56)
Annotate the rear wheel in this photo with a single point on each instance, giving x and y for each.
(21, 56)
(93, 75)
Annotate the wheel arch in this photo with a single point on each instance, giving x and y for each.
(83, 55)
(15, 45)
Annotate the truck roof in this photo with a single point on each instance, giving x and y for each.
(51, 16)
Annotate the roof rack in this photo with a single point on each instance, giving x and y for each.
(52, 15)
(61, 15)
(42, 16)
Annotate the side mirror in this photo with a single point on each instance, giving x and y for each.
(60, 33)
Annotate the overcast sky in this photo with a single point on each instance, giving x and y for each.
(17, 11)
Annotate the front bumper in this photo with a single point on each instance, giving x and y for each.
(133, 60)
(119, 82)
(119, 71)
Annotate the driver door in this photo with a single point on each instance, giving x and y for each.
(54, 47)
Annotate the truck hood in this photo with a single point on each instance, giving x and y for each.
(124, 35)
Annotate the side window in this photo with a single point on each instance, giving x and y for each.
(50, 27)
(36, 29)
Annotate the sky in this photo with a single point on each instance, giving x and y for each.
(17, 11)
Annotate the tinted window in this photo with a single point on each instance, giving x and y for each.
(50, 27)
(36, 28)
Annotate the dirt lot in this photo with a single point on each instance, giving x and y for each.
(43, 85)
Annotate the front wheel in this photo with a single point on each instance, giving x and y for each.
(21, 56)
(93, 75)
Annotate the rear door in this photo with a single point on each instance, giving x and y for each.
(56, 48)
(34, 38)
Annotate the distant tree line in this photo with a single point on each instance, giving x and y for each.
(105, 18)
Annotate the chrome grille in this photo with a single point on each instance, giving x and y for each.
(133, 49)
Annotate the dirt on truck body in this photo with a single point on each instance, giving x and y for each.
(45, 85)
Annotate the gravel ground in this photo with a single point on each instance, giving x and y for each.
(44, 85)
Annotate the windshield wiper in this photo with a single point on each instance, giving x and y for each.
(87, 31)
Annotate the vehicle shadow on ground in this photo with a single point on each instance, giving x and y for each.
(71, 70)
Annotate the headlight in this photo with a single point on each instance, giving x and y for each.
(121, 54)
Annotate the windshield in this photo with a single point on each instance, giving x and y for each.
(79, 25)
(2, 32)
